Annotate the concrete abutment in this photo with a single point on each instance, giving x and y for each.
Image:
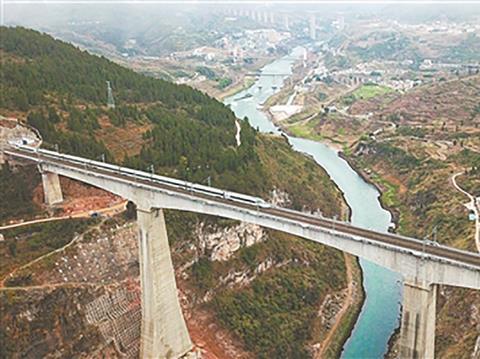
(164, 332)
(417, 334)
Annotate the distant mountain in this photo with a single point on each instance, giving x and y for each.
(35, 64)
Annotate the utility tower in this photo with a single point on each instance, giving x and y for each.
(312, 27)
(110, 100)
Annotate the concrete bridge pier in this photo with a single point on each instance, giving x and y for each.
(417, 335)
(164, 333)
(51, 188)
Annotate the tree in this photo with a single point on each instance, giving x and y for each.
(12, 247)
(131, 211)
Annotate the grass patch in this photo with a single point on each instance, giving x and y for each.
(368, 91)
(306, 130)
(389, 193)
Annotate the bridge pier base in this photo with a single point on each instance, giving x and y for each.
(51, 188)
(417, 335)
(164, 333)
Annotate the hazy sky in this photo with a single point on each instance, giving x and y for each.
(42, 14)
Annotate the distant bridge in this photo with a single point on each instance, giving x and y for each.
(259, 73)
(423, 264)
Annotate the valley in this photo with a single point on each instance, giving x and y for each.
(361, 119)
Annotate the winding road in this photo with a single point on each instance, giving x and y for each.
(474, 205)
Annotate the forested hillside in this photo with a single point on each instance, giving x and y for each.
(35, 64)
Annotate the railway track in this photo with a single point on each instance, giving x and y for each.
(224, 197)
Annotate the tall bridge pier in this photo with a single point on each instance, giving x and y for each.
(164, 332)
(417, 332)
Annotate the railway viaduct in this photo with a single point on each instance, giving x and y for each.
(164, 333)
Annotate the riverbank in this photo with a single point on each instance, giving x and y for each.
(347, 322)
(343, 327)
(393, 212)
(330, 142)
(244, 84)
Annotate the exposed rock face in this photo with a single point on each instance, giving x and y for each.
(331, 306)
(279, 198)
(220, 243)
(11, 130)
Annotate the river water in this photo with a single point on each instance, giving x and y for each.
(381, 311)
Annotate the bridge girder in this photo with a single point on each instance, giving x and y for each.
(414, 266)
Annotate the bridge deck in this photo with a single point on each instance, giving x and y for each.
(442, 253)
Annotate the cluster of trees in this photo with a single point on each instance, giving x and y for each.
(471, 160)
(79, 140)
(388, 46)
(207, 72)
(16, 188)
(465, 51)
(197, 149)
(397, 156)
(50, 235)
(83, 121)
(211, 75)
(274, 315)
(419, 132)
(224, 82)
(123, 114)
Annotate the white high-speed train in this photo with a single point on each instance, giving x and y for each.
(184, 185)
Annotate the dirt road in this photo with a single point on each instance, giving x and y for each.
(116, 208)
(473, 205)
